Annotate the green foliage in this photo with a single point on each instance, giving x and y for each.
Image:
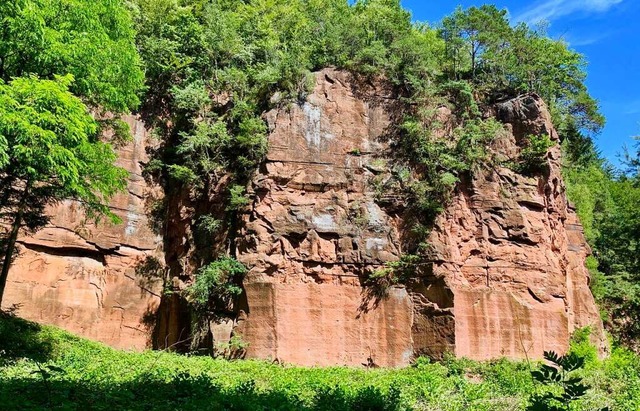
(237, 198)
(216, 285)
(208, 224)
(213, 67)
(395, 272)
(558, 374)
(504, 61)
(607, 203)
(437, 164)
(232, 349)
(53, 146)
(107, 379)
(90, 40)
(533, 156)
(581, 346)
(469, 34)
(56, 58)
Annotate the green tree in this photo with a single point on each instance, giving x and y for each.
(469, 33)
(504, 61)
(52, 153)
(92, 40)
(68, 70)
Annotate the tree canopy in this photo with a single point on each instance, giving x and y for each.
(91, 40)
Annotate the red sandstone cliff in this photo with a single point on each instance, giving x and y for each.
(94, 280)
(508, 276)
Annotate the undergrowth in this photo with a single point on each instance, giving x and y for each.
(46, 368)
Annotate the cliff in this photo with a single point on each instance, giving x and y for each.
(95, 280)
(507, 275)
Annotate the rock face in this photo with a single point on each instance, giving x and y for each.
(511, 253)
(97, 281)
(315, 232)
(507, 276)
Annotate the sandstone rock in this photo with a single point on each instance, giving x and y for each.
(102, 282)
(507, 276)
(505, 281)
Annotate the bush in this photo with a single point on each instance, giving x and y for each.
(533, 157)
(216, 284)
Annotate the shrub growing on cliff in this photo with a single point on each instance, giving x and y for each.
(533, 156)
(215, 285)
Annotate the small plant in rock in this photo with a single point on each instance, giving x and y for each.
(237, 198)
(533, 156)
(216, 284)
(358, 215)
(562, 386)
(208, 224)
(393, 273)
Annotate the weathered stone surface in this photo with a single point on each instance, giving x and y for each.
(315, 231)
(507, 276)
(95, 281)
(512, 253)
(326, 324)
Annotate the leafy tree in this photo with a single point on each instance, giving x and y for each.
(504, 61)
(92, 40)
(52, 153)
(216, 284)
(632, 161)
(472, 32)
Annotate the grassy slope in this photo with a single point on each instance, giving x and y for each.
(83, 375)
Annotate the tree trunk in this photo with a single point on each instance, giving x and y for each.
(11, 243)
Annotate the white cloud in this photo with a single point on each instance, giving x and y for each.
(553, 9)
(578, 41)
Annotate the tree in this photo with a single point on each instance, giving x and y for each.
(59, 61)
(49, 152)
(474, 30)
(92, 40)
(504, 61)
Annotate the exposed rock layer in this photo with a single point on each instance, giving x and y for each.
(508, 277)
(97, 281)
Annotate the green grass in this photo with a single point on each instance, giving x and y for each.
(46, 368)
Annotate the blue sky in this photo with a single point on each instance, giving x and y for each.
(607, 32)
